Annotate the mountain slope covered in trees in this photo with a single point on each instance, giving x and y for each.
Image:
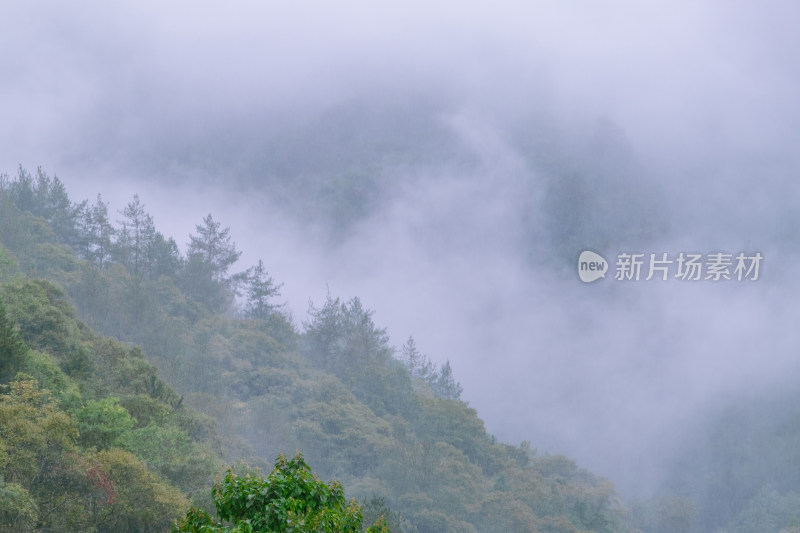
(208, 371)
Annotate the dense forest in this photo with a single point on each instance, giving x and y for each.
(135, 373)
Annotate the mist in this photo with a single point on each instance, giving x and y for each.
(457, 127)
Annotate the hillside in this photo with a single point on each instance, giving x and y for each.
(207, 370)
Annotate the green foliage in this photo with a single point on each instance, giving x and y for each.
(170, 451)
(210, 255)
(44, 197)
(136, 238)
(260, 289)
(441, 382)
(48, 432)
(418, 364)
(96, 234)
(342, 338)
(140, 501)
(347, 433)
(377, 511)
(12, 347)
(45, 317)
(446, 387)
(7, 264)
(42, 472)
(290, 499)
(103, 423)
(18, 509)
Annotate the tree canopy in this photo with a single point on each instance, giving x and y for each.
(290, 499)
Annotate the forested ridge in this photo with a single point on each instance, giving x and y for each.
(134, 373)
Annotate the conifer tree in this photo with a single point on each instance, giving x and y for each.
(261, 289)
(446, 386)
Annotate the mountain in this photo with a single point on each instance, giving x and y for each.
(158, 367)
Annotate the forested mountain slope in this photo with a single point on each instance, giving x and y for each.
(387, 422)
(91, 439)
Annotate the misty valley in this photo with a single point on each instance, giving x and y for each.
(411, 267)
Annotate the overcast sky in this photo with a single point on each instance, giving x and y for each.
(172, 100)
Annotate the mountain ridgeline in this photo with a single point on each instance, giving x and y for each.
(134, 372)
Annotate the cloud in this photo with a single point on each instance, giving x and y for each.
(679, 118)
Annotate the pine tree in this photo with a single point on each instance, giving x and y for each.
(213, 247)
(97, 233)
(417, 363)
(446, 386)
(210, 255)
(261, 289)
(135, 238)
(164, 257)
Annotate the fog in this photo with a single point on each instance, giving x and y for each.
(682, 119)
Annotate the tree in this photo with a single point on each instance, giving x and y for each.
(54, 205)
(324, 331)
(418, 363)
(343, 336)
(41, 464)
(213, 247)
(260, 289)
(210, 255)
(103, 423)
(97, 233)
(22, 191)
(292, 498)
(446, 386)
(45, 197)
(136, 237)
(139, 500)
(343, 339)
(18, 509)
(164, 257)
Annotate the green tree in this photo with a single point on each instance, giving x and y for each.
(169, 451)
(41, 464)
(135, 239)
(418, 363)
(446, 387)
(210, 255)
(261, 289)
(139, 501)
(103, 423)
(22, 191)
(163, 258)
(18, 509)
(343, 339)
(291, 499)
(342, 336)
(45, 197)
(212, 246)
(98, 233)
